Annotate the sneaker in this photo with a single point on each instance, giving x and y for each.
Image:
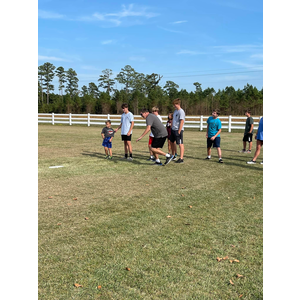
(251, 162)
(174, 158)
(261, 162)
(106, 156)
(130, 158)
(175, 155)
(221, 161)
(243, 151)
(248, 151)
(179, 161)
(157, 164)
(124, 157)
(207, 158)
(168, 159)
(151, 159)
(110, 157)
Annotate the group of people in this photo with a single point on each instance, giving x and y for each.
(173, 132)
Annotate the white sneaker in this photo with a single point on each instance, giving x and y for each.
(251, 162)
(261, 162)
(130, 158)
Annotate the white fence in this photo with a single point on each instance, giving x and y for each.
(199, 122)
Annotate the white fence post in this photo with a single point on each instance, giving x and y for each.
(201, 123)
(108, 116)
(229, 123)
(52, 118)
(88, 119)
(70, 119)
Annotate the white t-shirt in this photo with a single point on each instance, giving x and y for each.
(126, 120)
(151, 134)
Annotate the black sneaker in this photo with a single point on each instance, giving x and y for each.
(157, 164)
(221, 160)
(179, 161)
(168, 159)
(151, 159)
(207, 158)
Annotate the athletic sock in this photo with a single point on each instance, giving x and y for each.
(126, 155)
(209, 156)
(130, 155)
(157, 160)
(168, 155)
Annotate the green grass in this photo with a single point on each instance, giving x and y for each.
(127, 204)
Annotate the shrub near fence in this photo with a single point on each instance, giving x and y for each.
(198, 122)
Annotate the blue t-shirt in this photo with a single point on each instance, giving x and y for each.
(260, 130)
(126, 120)
(214, 126)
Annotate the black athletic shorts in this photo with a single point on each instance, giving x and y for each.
(247, 137)
(216, 142)
(176, 137)
(158, 142)
(125, 137)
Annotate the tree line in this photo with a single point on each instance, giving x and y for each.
(138, 90)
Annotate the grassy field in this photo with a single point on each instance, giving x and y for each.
(147, 232)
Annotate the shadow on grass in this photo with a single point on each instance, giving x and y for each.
(118, 157)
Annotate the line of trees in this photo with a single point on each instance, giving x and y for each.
(138, 90)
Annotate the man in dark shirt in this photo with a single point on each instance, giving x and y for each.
(248, 132)
(160, 135)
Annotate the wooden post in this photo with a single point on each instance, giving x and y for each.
(88, 119)
(229, 123)
(70, 118)
(52, 118)
(201, 123)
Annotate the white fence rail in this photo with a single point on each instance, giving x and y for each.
(199, 122)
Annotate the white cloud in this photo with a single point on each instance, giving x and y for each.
(259, 56)
(178, 22)
(118, 18)
(246, 65)
(52, 58)
(49, 15)
(169, 30)
(190, 52)
(237, 48)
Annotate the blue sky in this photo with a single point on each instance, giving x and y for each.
(216, 43)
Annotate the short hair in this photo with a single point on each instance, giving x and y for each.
(217, 111)
(176, 101)
(108, 121)
(144, 110)
(248, 111)
(155, 108)
(124, 105)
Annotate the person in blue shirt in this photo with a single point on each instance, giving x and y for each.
(259, 142)
(213, 131)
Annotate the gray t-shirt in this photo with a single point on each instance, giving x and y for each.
(157, 127)
(177, 116)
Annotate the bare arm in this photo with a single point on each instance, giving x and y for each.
(131, 126)
(180, 125)
(148, 128)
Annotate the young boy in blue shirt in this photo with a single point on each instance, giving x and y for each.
(213, 131)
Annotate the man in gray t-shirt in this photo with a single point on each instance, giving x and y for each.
(160, 134)
(157, 127)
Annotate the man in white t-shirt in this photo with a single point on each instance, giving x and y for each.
(155, 111)
(127, 123)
